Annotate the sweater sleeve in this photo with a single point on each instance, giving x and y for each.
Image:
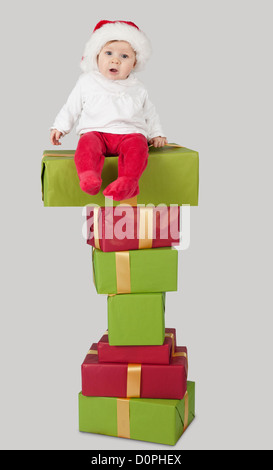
(70, 112)
(152, 120)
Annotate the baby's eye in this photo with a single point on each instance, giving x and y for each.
(108, 52)
(124, 56)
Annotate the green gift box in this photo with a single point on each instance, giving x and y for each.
(171, 177)
(136, 319)
(135, 271)
(150, 420)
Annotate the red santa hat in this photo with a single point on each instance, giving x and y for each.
(106, 31)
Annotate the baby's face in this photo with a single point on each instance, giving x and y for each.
(116, 60)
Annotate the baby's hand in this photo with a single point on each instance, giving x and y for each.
(158, 141)
(54, 137)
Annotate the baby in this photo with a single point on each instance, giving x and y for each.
(115, 114)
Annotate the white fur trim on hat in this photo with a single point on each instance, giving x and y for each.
(116, 31)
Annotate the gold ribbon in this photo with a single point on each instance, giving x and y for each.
(96, 227)
(133, 380)
(179, 353)
(123, 272)
(130, 202)
(145, 228)
(123, 417)
(59, 155)
(133, 391)
(171, 335)
(93, 266)
(92, 351)
(167, 335)
(170, 145)
(186, 411)
(133, 377)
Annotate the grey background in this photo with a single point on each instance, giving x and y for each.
(210, 78)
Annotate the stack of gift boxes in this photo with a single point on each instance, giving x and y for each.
(134, 379)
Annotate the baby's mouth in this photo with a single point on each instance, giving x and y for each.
(113, 70)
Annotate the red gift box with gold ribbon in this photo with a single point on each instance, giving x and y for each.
(166, 381)
(126, 227)
(139, 354)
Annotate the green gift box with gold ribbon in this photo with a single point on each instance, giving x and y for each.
(151, 420)
(135, 271)
(136, 319)
(171, 177)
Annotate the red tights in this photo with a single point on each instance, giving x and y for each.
(93, 147)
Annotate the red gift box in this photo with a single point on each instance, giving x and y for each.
(135, 380)
(138, 354)
(124, 228)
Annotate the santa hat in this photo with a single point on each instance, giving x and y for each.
(106, 31)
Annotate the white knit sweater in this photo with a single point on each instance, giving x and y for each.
(113, 106)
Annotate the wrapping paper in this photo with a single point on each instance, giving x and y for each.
(171, 177)
(138, 354)
(133, 380)
(135, 271)
(150, 420)
(132, 228)
(136, 319)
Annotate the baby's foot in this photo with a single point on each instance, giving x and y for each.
(122, 188)
(90, 182)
